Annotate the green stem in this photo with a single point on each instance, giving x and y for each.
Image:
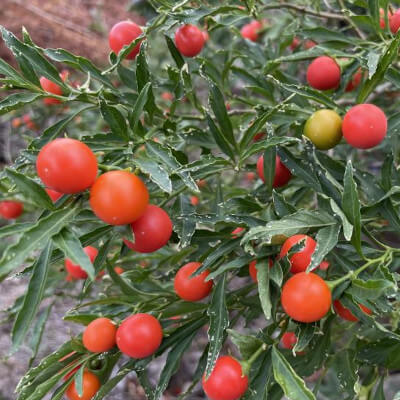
(246, 365)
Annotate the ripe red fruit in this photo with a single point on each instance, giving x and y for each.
(91, 385)
(364, 126)
(309, 44)
(346, 314)
(306, 297)
(122, 34)
(324, 265)
(189, 40)
(167, 96)
(250, 176)
(323, 73)
(60, 163)
(75, 271)
(201, 183)
(192, 289)
(206, 36)
(99, 335)
(139, 336)
(50, 87)
(295, 43)
(250, 31)
(394, 22)
(282, 174)
(382, 22)
(53, 194)
(16, 122)
(227, 380)
(289, 339)
(301, 260)
(355, 81)
(11, 209)
(151, 231)
(237, 231)
(258, 136)
(253, 269)
(119, 197)
(119, 270)
(194, 200)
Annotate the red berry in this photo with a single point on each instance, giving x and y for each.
(250, 32)
(346, 314)
(323, 73)
(237, 231)
(122, 34)
(75, 271)
(309, 44)
(282, 174)
(189, 40)
(253, 269)
(355, 81)
(295, 43)
(139, 336)
(53, 194)
(194, 200)
(11, 209)
(99, 335)
(151, 231)
(227, 380)
(324, 265)
(289, 339)
(301, 260)
(364, 126)
(50, 87)
(394, 22)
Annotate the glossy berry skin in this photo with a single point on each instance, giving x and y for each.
(295, 43)
(91, 385)
(355, 81)
(53, 194)
(151, 231)
(11, 209)
(50, 87)
(192, 289)
(282, 174)
(66, 165)
(250, 31)
(289, 339)
(346, 314)
(226, 381)
(324, 129)
(394, 22)
(99, 335)
(382, 22)
(309, 44)
(194, 201)
(75, 271)
(124, 33)
(324, 265)
(189, 40)
(139, 336)
(323, 73)
(119, 197)
(253, 269)
(301, 260)
(237, 231)
(364, 126)
(306, 297)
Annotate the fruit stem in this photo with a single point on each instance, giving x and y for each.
(246, 365)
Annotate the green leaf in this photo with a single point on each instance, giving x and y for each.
(139, 106)
(179, 60)
(220, 138)
(12, 75)
(68, 242)
(114, 119)
(292, 385)
(269, 168)
(219, 321)
(351, 205)
(34, 238)
(347, 226)
(17, 100)
(13, 229)
(264, 288)
(246, 344)
(79, 381)
(32, 298)
(156, 173)
(379, 392)
(30, 189)
(371, 289)
(185, 226)
(388, 56)
(304, 334)
(326, 239)
(346, 367)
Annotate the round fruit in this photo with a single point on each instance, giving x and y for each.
(301, 260)
(119, 270)
(53, 194)
(66, 165)
(346, 314)
(189, 40)
(192, 289)
(289, 339)
(122, 34)
(324, 129)
(227, 380)
(394, 22)
(309, 44)
(139, 336)
(237, 231)
(306, 297)
(75, 271)
(250, 31)
(382, 22)
(11, 209)
(258, 136)
(324, 265)
(194, 200)
(151, 231)
(50, 87)
(99, 335)
(282, 174)
(253, 269)
(323, 73)
(295, 43)
(16, 122)
(90, 385)
(364, 126)
(119, 197)
(355, 81)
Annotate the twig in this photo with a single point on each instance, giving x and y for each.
(52, 18)
(305, 10)
(351, 22)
